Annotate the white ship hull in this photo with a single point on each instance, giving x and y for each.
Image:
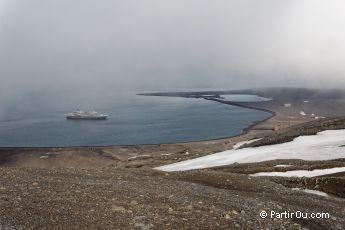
(81, 115)
(87, 117)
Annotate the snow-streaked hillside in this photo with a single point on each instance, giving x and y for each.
(325, 145)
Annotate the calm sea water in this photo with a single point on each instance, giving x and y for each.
(133, 120)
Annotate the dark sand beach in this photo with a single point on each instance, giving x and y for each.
(115, 187)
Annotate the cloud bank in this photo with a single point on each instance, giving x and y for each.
(83, 45)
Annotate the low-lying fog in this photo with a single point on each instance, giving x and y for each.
(75, 51)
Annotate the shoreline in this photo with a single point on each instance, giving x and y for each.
(255, 123)
(244, 131)
(164, 153)
(279, 116)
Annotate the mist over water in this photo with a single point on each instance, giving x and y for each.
(136, 120)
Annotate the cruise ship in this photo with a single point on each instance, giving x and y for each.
(91, 115)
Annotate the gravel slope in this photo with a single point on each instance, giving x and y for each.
(146, 199)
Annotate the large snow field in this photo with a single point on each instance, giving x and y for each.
(325, 145)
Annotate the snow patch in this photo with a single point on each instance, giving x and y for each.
(315, 192)
(240, 144)
(282, 166)
(139, 156)
(323, 146)
(302, 173)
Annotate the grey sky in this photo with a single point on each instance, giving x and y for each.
(164, 44)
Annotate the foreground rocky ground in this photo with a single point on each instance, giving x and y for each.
(129, 194)
(108, 198)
